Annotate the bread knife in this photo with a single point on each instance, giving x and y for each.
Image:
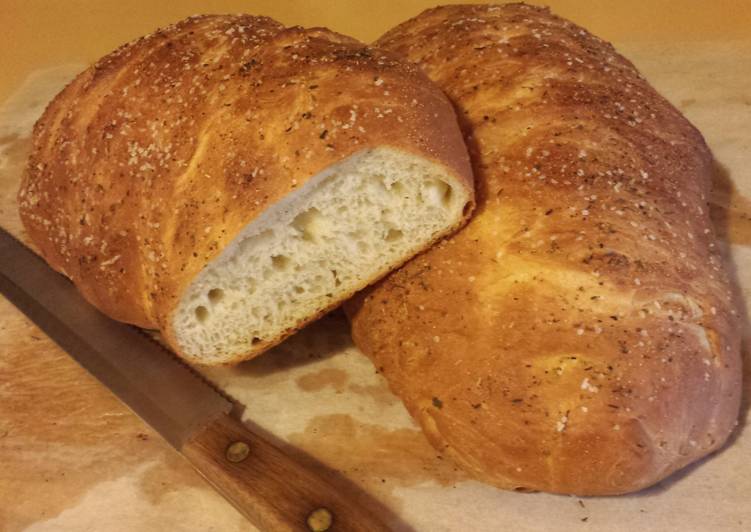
(273, 490)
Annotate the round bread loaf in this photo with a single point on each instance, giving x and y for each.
(579, 334)
(226, 179)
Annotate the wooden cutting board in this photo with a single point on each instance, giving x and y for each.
(75, 459)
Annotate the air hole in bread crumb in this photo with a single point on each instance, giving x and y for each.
(216, 295)
(337, 282)
(308, 223)
(437, 192)
(397, 188)
(447, 195)
(299, 289)
(255, 340)
(280, 262)
(202, 313)
(393, 234)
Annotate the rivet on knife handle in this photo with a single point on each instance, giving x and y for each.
(275, 490)
(320, 520)
(237, 451)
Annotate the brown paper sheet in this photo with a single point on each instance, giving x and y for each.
(319, 393)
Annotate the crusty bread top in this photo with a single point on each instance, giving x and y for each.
(579, 335)
(153, 159)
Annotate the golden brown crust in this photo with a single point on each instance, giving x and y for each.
(153, 159)
(579, 335)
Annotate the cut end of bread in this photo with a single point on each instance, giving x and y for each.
(345, 228)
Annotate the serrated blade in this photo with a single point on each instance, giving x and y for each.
(160, 389)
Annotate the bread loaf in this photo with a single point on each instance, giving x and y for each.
(579, 334)
(226, 180)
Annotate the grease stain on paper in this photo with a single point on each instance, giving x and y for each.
(317, 381)
(379, 458)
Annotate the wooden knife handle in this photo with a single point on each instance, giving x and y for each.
(274, 490)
